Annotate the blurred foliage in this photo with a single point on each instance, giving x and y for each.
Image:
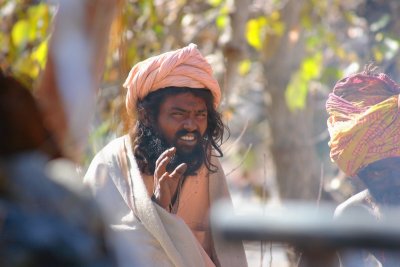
(24, 37)
(146, 27)
(340, 36)
(296, 93)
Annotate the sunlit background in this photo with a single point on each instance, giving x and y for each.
(276, 61)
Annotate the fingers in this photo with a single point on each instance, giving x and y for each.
(163, 160)
(161, 168)
(167, 153)
(167, 185)
(175, 175)
(179, 171)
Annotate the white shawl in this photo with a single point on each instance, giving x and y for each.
(157, 237)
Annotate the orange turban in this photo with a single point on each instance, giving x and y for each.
(364, 121)
(185, 67)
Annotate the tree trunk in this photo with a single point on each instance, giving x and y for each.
(293, 152)
(292, 147)
(234, 49)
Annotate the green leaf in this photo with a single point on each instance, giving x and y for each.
(221, 21)
(158, 29)
(306, 22)
(215, 3)
(25, 66)
(311, 67)
(223, 18)
(20, 33)
(254, 33)
(40, 54)
(296, 93)
(275, 24)
(297, 90)
(244, 67)
(39, 18)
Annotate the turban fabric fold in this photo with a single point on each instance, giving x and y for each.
(185, 67)
(363, 121)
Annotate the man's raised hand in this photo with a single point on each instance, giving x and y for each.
(165, 183)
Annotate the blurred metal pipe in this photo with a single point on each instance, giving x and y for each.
(310, 229)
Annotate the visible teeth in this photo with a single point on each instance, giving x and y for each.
(187, 137)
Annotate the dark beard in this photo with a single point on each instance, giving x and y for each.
(390, 196)
(154, 145)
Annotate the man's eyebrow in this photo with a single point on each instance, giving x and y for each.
(185, 110)
(179, 109)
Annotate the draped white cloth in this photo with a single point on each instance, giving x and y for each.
(157, 237)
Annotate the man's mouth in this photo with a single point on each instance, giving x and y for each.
(188, 138)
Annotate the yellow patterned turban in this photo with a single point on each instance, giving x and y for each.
(364, 121)
(185, 67)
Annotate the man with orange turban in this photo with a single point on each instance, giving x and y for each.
(157, 183)
(364, 126)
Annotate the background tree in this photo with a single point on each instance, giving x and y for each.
(276, 62)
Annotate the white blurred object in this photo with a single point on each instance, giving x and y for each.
(72, 57)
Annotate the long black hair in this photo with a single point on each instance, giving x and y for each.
(148, 111)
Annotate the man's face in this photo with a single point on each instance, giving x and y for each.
(182, 121)
(382, 178)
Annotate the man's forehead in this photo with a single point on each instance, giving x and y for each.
(183, 101)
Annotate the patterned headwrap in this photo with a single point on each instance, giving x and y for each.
(364, 122)
(185, 67)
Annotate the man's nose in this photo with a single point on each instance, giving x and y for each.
(189, 125)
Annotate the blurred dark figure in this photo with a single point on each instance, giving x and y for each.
(364, 126)
(44, 221)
